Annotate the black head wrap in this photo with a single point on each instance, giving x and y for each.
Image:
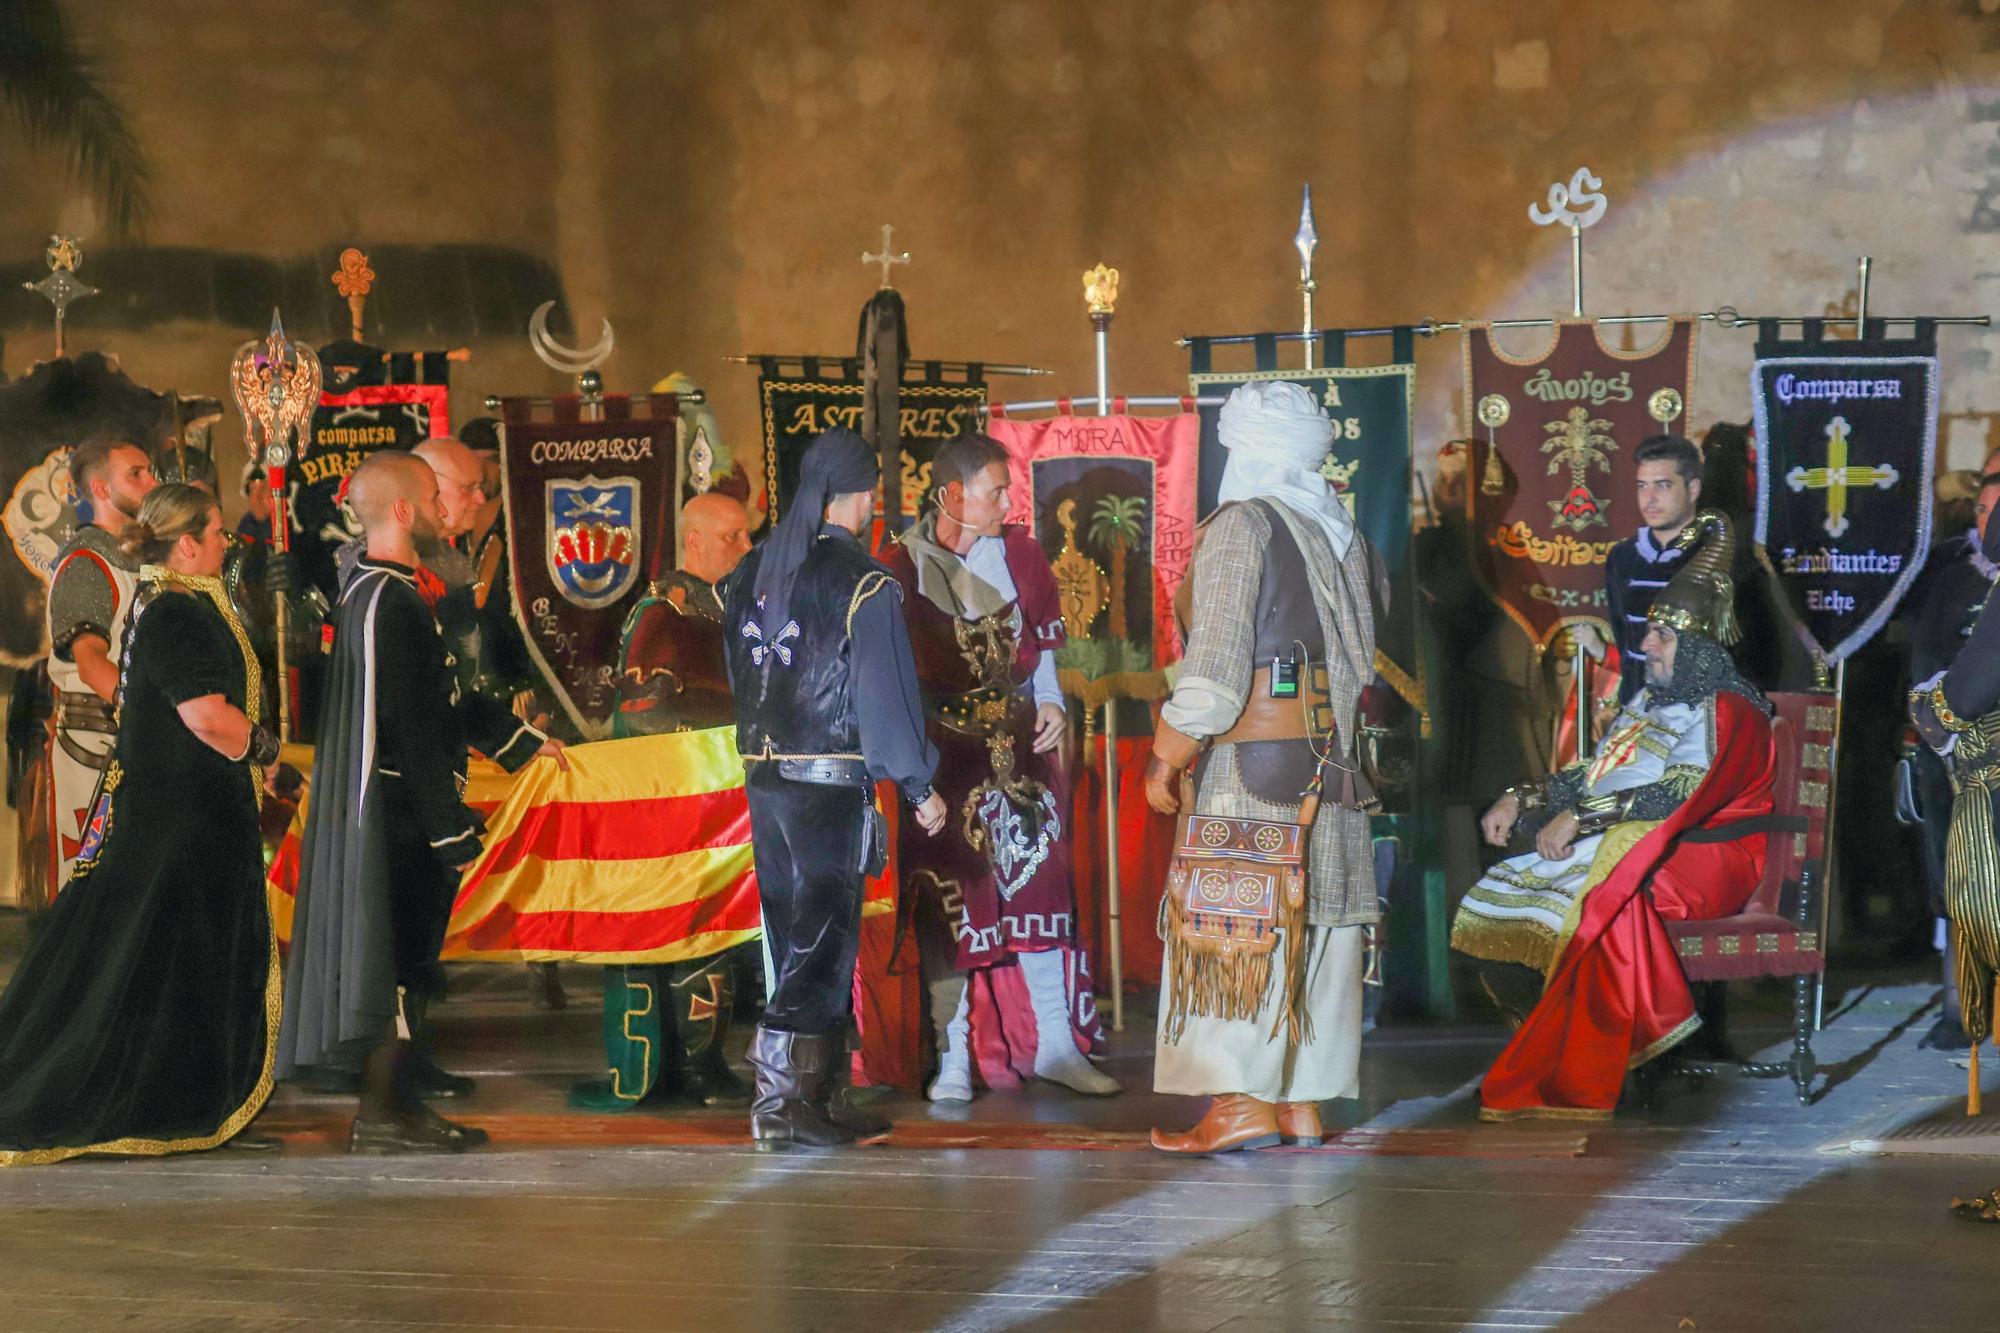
(838, 462)
(1703, 667)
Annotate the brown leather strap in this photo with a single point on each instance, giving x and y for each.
(1267, 719)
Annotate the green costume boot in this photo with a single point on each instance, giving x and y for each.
(641, 1049)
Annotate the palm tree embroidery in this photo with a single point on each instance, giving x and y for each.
(53, 88)
(1577, 442)
(1115, 525)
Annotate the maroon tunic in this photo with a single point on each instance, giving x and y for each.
(999, 873)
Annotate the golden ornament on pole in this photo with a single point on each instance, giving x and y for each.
(1100, 290)
(354, 280)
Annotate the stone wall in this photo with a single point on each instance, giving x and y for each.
(706, 175)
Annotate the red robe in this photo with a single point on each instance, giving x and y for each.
(1617, 996)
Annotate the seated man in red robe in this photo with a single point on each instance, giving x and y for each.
(1639, 835)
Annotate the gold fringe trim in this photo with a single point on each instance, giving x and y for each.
(1497, 940)
(1680, 1034)
(1150, 686)
(1495, 1115)
(232, 1125)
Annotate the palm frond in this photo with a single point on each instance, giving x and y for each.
(53, 87)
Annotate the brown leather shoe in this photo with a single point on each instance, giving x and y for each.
(1298, 1124)
(1234, 1122)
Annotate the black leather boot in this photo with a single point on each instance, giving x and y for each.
(704, 995)
(791, 1087)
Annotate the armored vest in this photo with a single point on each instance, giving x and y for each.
(87, 605)
(672, 676)
(792, 682)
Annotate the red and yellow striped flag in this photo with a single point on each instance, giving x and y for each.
(640, 853)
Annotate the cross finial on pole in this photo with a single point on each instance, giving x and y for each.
(888, 257)
(62, 286)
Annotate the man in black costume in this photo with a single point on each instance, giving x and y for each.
(387, 831)
(1669, 486)
(827, 700)
(1944, 604)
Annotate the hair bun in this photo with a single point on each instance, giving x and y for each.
(135, 538)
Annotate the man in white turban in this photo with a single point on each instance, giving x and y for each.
(1263, 1014)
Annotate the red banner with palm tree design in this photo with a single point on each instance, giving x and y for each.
(1112, 502)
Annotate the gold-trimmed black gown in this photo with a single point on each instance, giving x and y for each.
(143, 1017)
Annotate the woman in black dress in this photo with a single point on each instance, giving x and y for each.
(143, 1018)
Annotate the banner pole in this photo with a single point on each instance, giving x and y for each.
(1113, 892)
(1833, 866)
(1580, 664)
(1100, 291)
(1576, 270)
(1829, 836)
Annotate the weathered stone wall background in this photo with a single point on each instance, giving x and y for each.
(706, 175)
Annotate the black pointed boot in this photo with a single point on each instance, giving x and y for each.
(791, 1087)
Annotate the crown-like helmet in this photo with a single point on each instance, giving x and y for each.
(1701, 598)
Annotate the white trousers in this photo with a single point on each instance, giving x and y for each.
(1216, 1055)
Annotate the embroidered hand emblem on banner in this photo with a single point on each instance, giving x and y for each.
(778, 643)
(593, 538)
(1838, 475)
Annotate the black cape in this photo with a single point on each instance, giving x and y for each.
(142, 1019)
(386, 829)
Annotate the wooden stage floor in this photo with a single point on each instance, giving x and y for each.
(1730, 1208)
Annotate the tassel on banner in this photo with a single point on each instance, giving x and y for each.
(1493, 477)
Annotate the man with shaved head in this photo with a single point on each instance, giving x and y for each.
(387, 831)
(672, 677)
(487, 652)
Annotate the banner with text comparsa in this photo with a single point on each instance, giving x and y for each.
(369, 403)
(590, 510)
(1847, 445)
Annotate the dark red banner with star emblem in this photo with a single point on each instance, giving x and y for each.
(590, 511)
(1553, 478)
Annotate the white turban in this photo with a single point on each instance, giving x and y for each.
(1277, 436)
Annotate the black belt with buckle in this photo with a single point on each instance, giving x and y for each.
(826, 772)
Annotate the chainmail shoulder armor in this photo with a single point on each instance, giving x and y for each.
(82, 598)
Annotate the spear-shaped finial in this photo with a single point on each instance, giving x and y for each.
(1306, 240)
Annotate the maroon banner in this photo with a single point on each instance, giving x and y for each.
(1553, 482)
(590, 511)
